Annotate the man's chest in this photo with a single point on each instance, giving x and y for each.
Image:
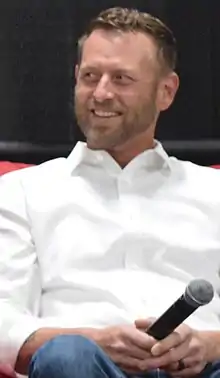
(127, 231)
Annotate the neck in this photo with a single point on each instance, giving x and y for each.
(126, 152)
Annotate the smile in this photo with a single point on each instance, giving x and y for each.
(99, 113)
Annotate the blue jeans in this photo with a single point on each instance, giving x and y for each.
(72, 356)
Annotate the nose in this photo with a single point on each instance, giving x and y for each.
(103, 90)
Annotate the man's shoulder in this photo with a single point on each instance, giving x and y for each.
(33, 183)
(191, 168)
(197, 176)
(44, 171)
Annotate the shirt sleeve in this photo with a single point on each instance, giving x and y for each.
(19, 279)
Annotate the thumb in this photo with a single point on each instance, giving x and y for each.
(144, 324)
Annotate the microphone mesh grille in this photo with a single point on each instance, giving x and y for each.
(199, 291)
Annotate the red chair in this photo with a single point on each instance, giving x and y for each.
(6, 372)
(8, 166)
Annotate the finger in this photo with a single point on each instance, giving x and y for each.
(171, 356)
(130, 364)
(193, 360)
(171, 367)
(189, 372)
(139, 339)
(174, 339)
(138, 353)
(144, 323)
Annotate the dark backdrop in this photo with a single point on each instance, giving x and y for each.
(37, 54)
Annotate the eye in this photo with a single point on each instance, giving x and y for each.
(89, 77)
(122, 79)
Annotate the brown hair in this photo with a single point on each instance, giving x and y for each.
(131, 20)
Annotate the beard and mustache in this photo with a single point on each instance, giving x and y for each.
(108, 132)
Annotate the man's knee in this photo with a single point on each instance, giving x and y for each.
(64, 356)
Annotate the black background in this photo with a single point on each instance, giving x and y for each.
(37, 55)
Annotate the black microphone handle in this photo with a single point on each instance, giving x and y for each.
(171, 319)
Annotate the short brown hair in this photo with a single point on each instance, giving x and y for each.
(131, 20)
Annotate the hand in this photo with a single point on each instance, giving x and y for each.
(183, 344)
(195, 358)
(127, 346)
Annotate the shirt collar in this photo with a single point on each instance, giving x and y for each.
(151, 159)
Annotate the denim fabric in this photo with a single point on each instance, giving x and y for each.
(72, 356)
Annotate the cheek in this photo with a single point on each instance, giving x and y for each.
(134, 104)
(82, 93)
(130, 99)
(81, 101)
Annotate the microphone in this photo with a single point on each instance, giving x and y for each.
(198, 293)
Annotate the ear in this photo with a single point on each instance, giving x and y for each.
(76, 71)
(167, 90)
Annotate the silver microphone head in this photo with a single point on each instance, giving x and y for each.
(199, 292)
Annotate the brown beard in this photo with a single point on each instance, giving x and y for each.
(130, 124)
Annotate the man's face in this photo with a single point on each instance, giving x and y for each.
(116, 88)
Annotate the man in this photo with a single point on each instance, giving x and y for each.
(95, 246)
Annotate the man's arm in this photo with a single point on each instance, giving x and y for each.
(106, 339)
(128, 347)
(38, 338)
(19, 281)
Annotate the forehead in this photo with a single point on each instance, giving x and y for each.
(117, 48)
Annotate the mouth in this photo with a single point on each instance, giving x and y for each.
(104, 114)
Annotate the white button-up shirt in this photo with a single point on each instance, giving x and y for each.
(86, 243)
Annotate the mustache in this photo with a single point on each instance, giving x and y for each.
(108, 107)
